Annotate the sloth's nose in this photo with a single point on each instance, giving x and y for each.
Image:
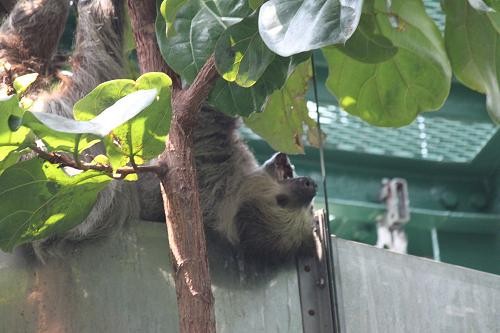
(308, 185)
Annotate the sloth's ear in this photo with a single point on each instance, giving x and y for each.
(279, 167)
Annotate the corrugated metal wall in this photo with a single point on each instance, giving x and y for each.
(125, 284)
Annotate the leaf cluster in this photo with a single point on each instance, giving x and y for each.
(130, 119)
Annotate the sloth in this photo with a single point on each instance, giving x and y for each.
(263, 210)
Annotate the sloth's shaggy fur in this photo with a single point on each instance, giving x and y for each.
(262, 209)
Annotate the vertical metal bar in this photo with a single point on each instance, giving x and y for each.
(435, 245)
(326, 225)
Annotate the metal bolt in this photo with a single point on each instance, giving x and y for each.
(311, 312)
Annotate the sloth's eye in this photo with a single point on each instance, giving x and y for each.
(282, 200)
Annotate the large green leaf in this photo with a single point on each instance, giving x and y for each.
(9, 160)
(232, 99)
(64, 134)
(282, 122)
(254, 4)
(293, 26)
(101, 125)
(58, 141)
(55, 202)
(480, 5)
(11, 136)
(366, 45)
(393, 92)
(473, 45)
(190, 30)
(142, 137)
(240, 54)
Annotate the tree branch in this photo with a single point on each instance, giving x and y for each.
(142, 17)
(182, 200)
(187, 102)
(65, 161)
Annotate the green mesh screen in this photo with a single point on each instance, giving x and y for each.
(435, 139)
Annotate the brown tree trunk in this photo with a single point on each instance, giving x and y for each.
(179, 182)
(185, 232)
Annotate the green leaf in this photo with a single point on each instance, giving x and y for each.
(193, 29)
(393, 92)
(23, 82)
(293, 26)
(9, 160)
(102, 97)
(57, 202)
(146, 133)
(282, 122)
(161, 27)
(366, 45)
(240, 54)
(168, 11)
(235, 100)
(473, 45)
(11, 139)
(142, 137)
(55, 140)
(255, 4)
(120, 112)
(480, 5)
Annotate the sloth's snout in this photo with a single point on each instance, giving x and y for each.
(307, 186)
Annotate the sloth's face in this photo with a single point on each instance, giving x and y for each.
(276, 211)
(295, 192)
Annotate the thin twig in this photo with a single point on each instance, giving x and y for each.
(65, 161)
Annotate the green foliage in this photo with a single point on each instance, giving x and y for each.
(23, 82)
(192, 30)
(393, 90)
(254, 4)
(50, 206)
(55, 140)
(235, 100)
(487, 6)
(473, 44)
(10, 159)
(12, 137)
(290, 27)
(189, 31)
(132, 118)
(367, 45)
(60, 133)
(283, 119)
(141, 138)
(240, 54)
